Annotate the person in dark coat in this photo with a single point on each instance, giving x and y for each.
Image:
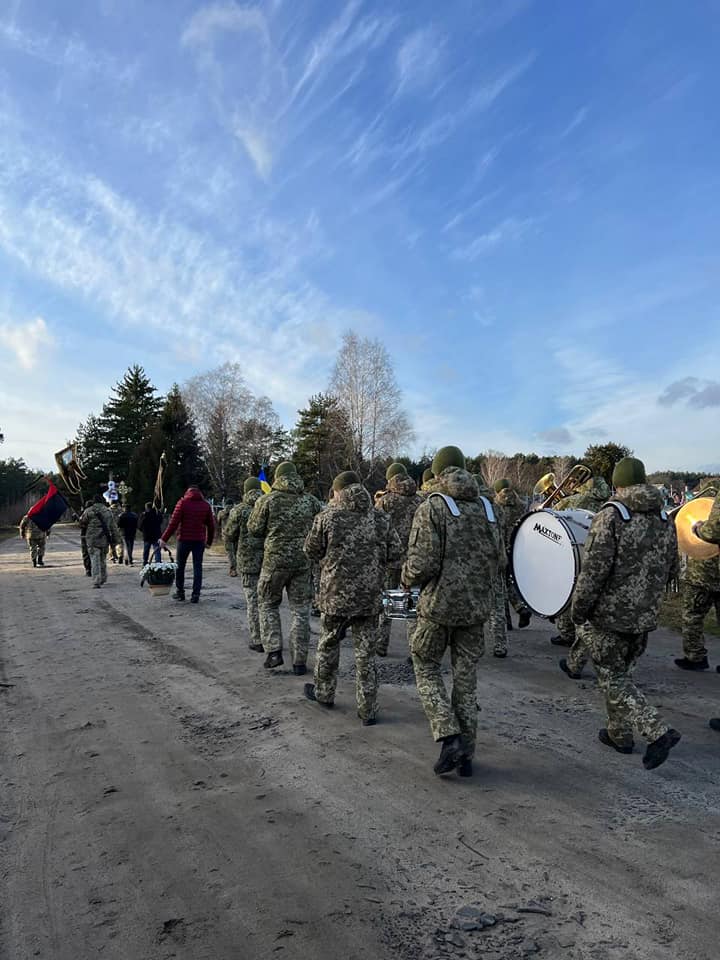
(150, 525)
(127, 524)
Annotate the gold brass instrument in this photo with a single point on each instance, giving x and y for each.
(569, 484)
(690, 513)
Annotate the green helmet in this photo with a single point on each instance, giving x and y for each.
(448, 457)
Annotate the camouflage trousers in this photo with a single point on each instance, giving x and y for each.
(231, 551)
(697, 602)
(327, 660)
(85, 554)
(36, 546)
(392, 582)
(98, 564)
(250, 589)
(566, 627)
(578, 656)
(454, 715)
(614, 656)
(497, 624)
(271, 586)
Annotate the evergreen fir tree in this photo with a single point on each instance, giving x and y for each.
(126, 419)
(323, 442)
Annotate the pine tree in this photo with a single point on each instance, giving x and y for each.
(323, 444)
(175, 435)
(127, 418)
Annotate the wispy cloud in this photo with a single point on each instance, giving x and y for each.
(578, 119)
(419, 59)
(26, 340)
(509, 230)
(695, 391)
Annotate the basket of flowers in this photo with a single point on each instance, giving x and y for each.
(159, 577)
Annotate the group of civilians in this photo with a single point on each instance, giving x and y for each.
(149, 523)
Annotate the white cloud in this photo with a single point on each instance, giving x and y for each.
(26, 340)
(509, 230)
(419, 59)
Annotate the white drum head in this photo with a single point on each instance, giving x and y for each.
(544, 561)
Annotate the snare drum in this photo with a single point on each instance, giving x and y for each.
(545, 557)
(400, 604)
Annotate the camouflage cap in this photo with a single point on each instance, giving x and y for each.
(628, 472)
(448, 457)
(346, 479)
(501, 485)
(394, 469)
(252, 483)
(285, 468)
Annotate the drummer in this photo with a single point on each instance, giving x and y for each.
(353, 544)
(630, 556)
(709, 531)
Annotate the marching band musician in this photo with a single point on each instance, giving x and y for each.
(709, 531)
(497, 624)
(399, 502)
(513, 508)
(454, 554)
(630, 555)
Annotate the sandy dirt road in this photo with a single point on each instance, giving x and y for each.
(162, 796)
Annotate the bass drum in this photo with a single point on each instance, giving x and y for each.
(545, 557)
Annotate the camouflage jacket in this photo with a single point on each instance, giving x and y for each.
(590, 496)
(29, 530)
(485, 491)
(706, 573)
(454, 560)
(282, 519)
(248, 549)
(92, 520)
(626, 564)
(353, 543)
(400, 502)
(513, 508)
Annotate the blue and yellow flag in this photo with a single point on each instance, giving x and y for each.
(266, 488)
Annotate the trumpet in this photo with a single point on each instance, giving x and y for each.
(569, 484)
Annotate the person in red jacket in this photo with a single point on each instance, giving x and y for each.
(193, 519)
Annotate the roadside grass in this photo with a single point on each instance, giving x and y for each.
(670, 616)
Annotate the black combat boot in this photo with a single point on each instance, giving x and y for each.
(299, 669)
(558, 641)
(368, 721)
(625, 747)
(195, 598)
(524, 619)
(41, 562)
(657, 751)
(686, 664)
(274, 659)
(715, 723)
(309, 691)
(571, 673)
(178, 595)
(500, 654)
(257, 648)
(465, 769)
(451, 756)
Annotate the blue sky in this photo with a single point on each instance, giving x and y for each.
(519, 198)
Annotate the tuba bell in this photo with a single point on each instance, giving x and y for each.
(687, 516)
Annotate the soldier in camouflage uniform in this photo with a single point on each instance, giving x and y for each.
(497, 621)
(249, 556)
(700, 593)
(399, 502)
(36, 539)
(230, 543)
(591, 496)
(84, 552)
(513, 508)
(282, 519)
(454, 554)
(428, 479)
(709, 531)
(101, 533)
(630, 556)
(353, 545)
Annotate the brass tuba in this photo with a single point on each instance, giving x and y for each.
(569, 484)
(689, 514)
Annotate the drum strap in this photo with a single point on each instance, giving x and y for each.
(489, 512)
(620, 507)
(450, 503)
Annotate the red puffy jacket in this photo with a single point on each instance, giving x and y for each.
(192, 518)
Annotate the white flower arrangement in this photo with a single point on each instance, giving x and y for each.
(158, 573)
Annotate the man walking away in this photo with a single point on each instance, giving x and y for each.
(36, 539)
(709, 531)
(127, 524)
(455, 554)
(249, 556)
(193, 520)
(101, 534)
(282, 519)
(150, 525)
(630, 556)
(353, 544)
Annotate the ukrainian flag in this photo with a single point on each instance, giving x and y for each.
(266, 488)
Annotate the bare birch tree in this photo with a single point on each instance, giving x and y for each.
(363, 380)
(495, 466)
